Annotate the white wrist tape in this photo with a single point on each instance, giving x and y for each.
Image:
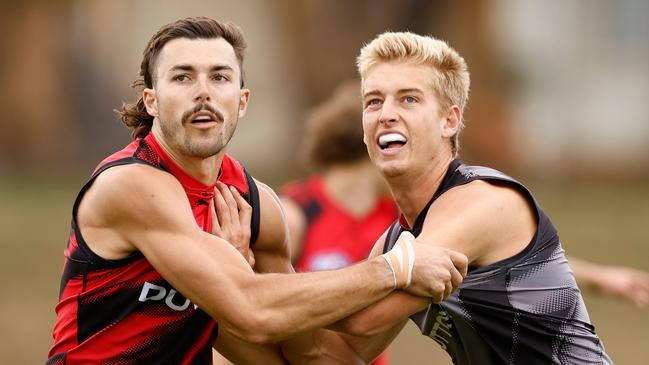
(401, 260)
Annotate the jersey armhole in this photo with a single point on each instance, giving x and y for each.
(392, 236)
(253, 200)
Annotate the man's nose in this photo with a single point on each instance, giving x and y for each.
(388, 112)
(202, 91)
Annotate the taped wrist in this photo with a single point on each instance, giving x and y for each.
(401, 260)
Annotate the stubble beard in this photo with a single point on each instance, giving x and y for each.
(200, 147)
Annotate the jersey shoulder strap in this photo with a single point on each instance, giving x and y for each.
(392, 236)
(253, 199)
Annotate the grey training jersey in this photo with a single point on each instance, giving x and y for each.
(525, 310)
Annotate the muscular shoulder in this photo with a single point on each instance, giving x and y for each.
(125, 198)
(132, 186)
(488, 221)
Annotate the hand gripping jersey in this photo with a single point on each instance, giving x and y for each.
(334, 238)
(123, 311)
(525, 310)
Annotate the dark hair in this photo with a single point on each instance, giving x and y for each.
(334, 129)
(135, 115)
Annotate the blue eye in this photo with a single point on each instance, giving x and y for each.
(410, 99)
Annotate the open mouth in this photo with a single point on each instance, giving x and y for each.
(391, 141)
(203, 118)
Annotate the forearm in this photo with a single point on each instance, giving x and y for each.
(240, 352)
(319, 347)
(369, 348)
(291, 304)
(369, 331)
(381, 316)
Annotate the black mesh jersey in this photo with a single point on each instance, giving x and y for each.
(526, 309)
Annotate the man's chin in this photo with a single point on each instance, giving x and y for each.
(392, 169)
(203, 150)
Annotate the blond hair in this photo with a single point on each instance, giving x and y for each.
(450, 81)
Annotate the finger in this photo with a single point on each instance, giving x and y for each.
(460, 261)
(456, 278)
(245, 210)
(438, 295)
(231, 204)
(216, 228)
(222, 210)
(251, 258)
(448, 289)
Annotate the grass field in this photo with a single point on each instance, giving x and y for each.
(596, 222)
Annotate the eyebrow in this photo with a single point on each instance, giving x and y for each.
(186, 67)
(410, 90)
(371, 93)
(400, 91)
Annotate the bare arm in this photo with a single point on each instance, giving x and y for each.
(486, 222)
(208, 270)
(617, 281)
(297, 224)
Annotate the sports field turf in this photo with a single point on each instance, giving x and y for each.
(595, 222)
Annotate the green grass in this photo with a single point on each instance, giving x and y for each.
(608, 224)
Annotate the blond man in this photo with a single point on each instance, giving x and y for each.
(519, 303)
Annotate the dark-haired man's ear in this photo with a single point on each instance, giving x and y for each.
(243, 102)
(150, 102)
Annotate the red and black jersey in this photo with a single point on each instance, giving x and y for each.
(123, 311)
(334, 238)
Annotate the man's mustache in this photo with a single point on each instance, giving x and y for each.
(216, 115)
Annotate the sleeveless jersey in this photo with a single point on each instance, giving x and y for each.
(123, 311)
(526, 309)
(333, 238)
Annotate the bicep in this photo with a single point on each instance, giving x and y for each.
(485, 221)
(297, 225)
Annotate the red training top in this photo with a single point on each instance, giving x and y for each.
(123, 311)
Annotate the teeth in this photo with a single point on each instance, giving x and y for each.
(203, 117)
(386, 139)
